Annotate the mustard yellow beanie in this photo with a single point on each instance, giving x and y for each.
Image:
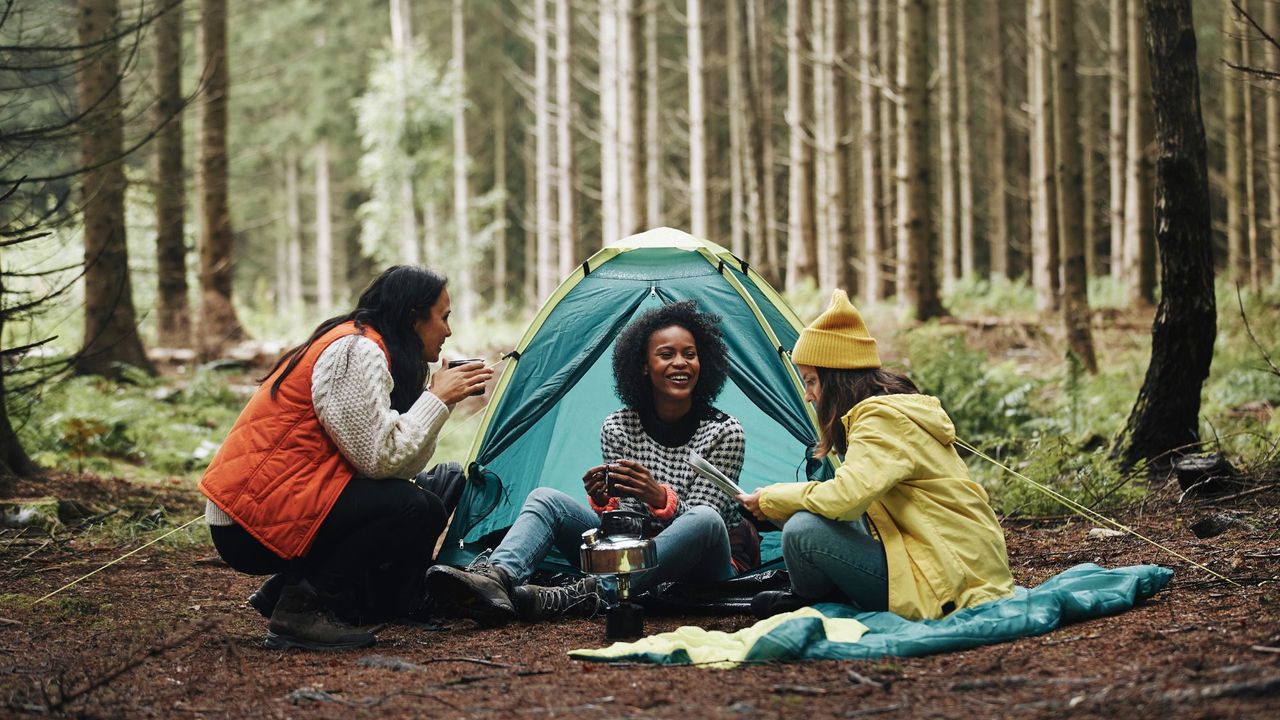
(837, 339)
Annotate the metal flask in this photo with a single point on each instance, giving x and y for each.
(618, 549)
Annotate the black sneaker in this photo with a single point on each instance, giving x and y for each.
(264, 599)
(301, 621)
(768, 603)
(581, 599)
(482, 592)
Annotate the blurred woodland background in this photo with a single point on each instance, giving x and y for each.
(189, 186)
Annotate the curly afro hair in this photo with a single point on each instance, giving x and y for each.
(629, 354)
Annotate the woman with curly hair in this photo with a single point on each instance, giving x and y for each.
(669, 365)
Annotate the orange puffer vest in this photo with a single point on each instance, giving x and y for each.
(279, 473)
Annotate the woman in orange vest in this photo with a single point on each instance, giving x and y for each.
(311, 484)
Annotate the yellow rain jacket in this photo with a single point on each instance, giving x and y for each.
(942, 542)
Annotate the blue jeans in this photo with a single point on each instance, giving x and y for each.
(695, 546)
(825, 557)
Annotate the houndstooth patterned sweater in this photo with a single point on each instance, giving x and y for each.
(351, 391)
(718, 438)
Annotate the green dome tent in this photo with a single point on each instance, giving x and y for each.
(542, 425)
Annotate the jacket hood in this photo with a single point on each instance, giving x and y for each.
(923, 410)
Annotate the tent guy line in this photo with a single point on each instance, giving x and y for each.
(122, 557)
(1089, 513)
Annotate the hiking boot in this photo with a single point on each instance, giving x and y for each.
(482, 592)
(301, 621)
(768, 603)
(264, 599)
(581, 599)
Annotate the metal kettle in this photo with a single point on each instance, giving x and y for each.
(618, 549)
(619, 546)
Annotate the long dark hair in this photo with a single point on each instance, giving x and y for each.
(841, 390)
(632, 349)
(395, 299)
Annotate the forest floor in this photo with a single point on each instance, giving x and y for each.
(166, 633)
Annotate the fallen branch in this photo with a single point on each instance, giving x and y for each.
(875, 710)
(797, 690)
(1010, 681)
(54, 704)
(477, 661)
(1244, 493)
(858, 677)
(1247, 688)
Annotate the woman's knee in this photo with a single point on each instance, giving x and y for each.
(800, 526)
(707, 522)
(547, 497)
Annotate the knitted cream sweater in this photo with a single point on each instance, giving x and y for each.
(351, 391)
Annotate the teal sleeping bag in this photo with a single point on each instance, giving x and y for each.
(1080, 593)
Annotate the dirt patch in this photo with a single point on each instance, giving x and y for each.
(166, 633)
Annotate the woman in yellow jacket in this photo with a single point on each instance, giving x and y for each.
(901, 527)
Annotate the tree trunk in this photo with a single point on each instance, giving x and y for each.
(917, 283)
(500, 262)
(874, 231)
(110, 328)
(821, 144)
(630, 109)
(283, 268)
(14, 460)
(800, 221)
(1235, 171)
(465, 298)
(1165, 417)
(293, 304)
(547, 269)
(1139, 250)
(431, 242)
(532, 298)
(737, 144)
(1117, 126)
(401, 37)
(1071, 207)
(324, 231)
(1271, 21)
(888, 52)
(567, 215)
(841, 253)
(1044, 203)
(174, 308)
(947, 186)
(697, 123)
(635, 177)
(997, 193)
(1250, 184)
(1088, 164)
(764, 248)
(219, 324)
(1019, 133)
(609, 171)
(964, 149)
(652, 121)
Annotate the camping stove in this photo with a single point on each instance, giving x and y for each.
(618, 549)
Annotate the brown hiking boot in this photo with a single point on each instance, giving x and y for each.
(264, 599)
(581, 599)
(301, 621)
(482, 592)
